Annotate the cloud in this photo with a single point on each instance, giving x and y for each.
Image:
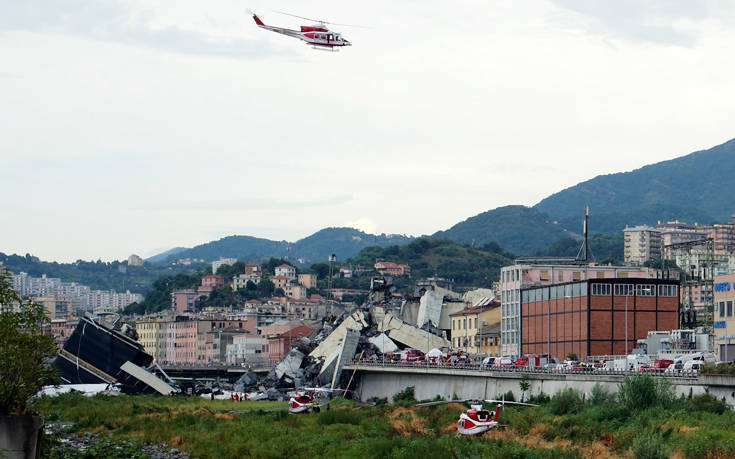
(654, 21)
(220, 205)
(110, 21)
(363, 224)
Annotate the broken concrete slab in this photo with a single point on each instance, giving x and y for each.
(355, 321)
(290, 364)
(430, 308)
(245, 381)
(346, 354)
(383, 343)
(327, 371)
(411, 336)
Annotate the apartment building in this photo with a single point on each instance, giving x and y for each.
(467, 323)
(308, 280)
(287, 271)
(217, 264)
(183, 300)
(56, 306)
(641, 244)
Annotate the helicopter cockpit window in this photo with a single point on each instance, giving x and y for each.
(331, 37)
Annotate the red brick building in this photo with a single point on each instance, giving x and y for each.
(589, 317)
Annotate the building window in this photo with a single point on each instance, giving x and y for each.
(645, 290)
(576, 275)
(544, 275)
(729, 309)
(464, 324)
(667, 290)
(722, 309)
(600, 289)
(623, 290)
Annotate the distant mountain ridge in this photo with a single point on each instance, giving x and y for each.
(344, 242)
(517, 229)
(691, 188)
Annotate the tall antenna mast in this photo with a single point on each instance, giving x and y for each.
(583, 254)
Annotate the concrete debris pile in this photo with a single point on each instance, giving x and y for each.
(368, 332)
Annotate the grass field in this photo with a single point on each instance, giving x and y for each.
(564, 426)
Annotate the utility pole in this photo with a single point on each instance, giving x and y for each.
(332, 259)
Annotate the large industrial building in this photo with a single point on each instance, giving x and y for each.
(519, 276)
(596, 316)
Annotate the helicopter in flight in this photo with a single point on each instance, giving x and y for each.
(316, 35)
(477, 420)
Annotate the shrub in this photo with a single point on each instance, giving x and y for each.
(710, 403)
(539, 399)
(649, 447)
(643, 391)
(719, 369)
(406, 395)
(599, 395)
(567, 401)
(509, 397)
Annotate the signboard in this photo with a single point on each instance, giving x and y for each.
(722, 287)
(720, 324)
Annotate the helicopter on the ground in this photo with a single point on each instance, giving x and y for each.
(309, 399)
(477, 420)
(316, 35)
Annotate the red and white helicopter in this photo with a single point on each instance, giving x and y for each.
(478, 420)
(308, 400)
(316, 35)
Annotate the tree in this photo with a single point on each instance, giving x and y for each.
(572, 356)
(321, 270)
(24, 367)
(525, 385)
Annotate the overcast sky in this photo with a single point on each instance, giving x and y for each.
(135, 126)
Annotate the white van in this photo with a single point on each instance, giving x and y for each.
(692, 366)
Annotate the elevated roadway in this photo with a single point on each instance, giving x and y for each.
(378, 380)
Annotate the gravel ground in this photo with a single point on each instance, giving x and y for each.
(70, 444)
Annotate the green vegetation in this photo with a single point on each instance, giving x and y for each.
(441, 257)
(159, 297)
(216, 429)
(603, 248)
(519, 229)
(566, 425)
(23, 368)
(97, 275)
(345, 242)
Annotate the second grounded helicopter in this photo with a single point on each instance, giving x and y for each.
(477, 420)
(316, 35)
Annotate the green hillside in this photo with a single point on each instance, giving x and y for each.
(691, 188)
(98, 275)
(604, 248)
(345, 242)
(428, 257)
(518, 229)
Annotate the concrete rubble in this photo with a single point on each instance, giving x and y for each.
(385, 323)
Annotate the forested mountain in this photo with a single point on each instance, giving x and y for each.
(344, 242)
(604, 248)
(518, 229)
(441, 257)
(692, 188)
